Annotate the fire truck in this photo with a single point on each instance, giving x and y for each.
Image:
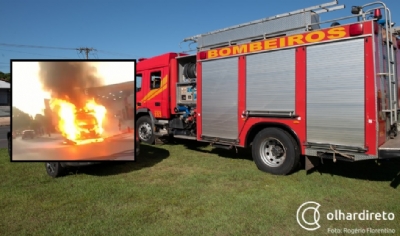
(287, 86)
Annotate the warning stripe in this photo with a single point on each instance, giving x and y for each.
(156, 92)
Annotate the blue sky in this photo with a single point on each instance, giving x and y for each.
(130, 29)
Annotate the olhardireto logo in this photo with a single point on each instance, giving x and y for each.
(310, 210)
(309, 207)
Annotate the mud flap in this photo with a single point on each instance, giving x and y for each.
(311, 162)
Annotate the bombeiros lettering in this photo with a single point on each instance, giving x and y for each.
(275, 43)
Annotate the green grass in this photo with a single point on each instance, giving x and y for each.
(176, 190)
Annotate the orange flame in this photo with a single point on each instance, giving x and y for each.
(71, 123)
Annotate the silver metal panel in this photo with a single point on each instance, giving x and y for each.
(335, 93)
(289, 24)
(315, 19)
(220, 98)
(270, 81)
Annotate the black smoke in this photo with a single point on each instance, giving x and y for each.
(67, 80)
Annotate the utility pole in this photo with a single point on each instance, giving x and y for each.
(86, 50)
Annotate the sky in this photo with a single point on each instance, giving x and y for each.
(27, 92)
(130, 29)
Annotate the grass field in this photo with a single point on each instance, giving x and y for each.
(176, 190)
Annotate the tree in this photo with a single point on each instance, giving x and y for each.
(20, 119)
(5, 76)
(23, 121)
(40, 118)
(35, 125)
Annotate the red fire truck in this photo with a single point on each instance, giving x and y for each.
(287, 86)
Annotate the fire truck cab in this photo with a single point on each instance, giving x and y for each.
(287, 86)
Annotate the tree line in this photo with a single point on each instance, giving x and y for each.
(23, 121)
(5, 76)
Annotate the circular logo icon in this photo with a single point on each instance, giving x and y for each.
(309, 208)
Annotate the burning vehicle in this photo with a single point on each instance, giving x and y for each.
(73, 110)
(88, 125)
(78, 117)
(79, 125)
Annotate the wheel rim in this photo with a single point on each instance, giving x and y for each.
(51, 167)
(145, 131)
(272, 152)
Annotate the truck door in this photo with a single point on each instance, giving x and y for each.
(154, 98)
(139, 90)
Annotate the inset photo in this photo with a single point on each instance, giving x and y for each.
(73, 111)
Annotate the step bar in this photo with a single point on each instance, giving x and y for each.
(390, 149)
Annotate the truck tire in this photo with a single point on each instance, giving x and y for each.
(145, 130)
(54, 169)
(275, 151)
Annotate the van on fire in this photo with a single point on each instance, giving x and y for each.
(288, 86)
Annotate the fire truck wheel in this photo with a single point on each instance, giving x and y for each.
(145, 130)
(54, 169)
(275, 151)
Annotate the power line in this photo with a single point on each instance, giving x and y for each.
(32, 53)
(33, 46)
(115, 53)
(79, 55)
(95, 55)
(63, 48)
(86, 50)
